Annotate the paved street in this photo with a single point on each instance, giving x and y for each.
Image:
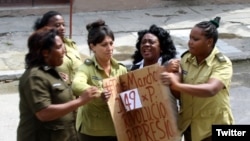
(9, 116)
(234, 41)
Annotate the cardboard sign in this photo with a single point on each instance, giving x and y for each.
(155, 120)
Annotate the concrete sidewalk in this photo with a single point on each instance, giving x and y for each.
(233, 40)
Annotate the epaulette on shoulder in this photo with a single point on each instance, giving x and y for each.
(184, 53)
(88, 62)
(127, 67)
(122, 64)
(220, 57)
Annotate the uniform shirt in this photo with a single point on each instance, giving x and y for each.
(71, 61)
(40, 87)
(198, 112)
(94, 117)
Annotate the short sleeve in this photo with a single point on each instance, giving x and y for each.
(38, 95)
(80, 80)
(223, 72)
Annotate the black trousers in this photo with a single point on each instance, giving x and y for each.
(84, 137)
(188, 137)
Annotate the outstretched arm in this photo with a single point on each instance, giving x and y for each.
(208, 89)
(55, 111)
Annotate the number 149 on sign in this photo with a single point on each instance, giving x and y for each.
(131, 99)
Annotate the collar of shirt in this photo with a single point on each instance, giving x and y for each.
(46, 68)
(69, 43)
(141, 63)
(114, 63)
(208, 60)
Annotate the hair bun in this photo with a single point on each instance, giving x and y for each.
(216, 21)
(96, 24)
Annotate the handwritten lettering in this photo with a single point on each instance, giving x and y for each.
(151, 92)
(112, 85)
(155, 111)
(135, 81)
(147, 131)
(121, 108)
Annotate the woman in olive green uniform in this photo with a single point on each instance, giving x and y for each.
(204, 92)
(72, 59)
(46, 102)
(94, 122)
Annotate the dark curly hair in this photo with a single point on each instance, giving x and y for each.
(168, 50)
